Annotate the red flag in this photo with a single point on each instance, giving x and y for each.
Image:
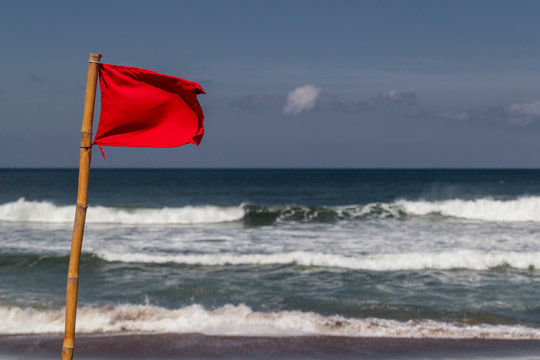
(145, 109)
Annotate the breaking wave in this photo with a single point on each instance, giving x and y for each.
(47, 212)
(241, 320)
(446, 260)
(524, 209)
(521, 209)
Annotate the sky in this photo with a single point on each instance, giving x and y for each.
(290, 84)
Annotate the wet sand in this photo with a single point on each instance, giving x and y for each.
(197, 346)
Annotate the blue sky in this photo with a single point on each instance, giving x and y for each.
(289, 83)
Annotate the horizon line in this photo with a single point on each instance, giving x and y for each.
(274, 168)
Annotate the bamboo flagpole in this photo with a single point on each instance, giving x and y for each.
(82, 204)
(177, 124)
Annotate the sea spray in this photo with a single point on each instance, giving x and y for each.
(520, 209)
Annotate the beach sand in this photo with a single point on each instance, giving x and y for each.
(197, 346)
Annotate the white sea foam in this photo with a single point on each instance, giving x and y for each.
(243, 321)
(458, 259)
(521, 209)
(524, 209)
(47, 212)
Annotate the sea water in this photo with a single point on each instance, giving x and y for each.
(452, 254)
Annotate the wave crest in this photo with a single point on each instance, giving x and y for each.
(47, 212)
(243, 321)
(524, 209)
(446, 260)
(521, 209)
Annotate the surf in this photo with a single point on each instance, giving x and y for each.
(522, 209)
(241, 320)
(444, 260)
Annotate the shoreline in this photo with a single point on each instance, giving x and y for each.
(198, 346)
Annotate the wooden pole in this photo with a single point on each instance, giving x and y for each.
(82, 204)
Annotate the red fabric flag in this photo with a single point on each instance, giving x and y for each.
(145, 109)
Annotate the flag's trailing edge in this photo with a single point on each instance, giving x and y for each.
(142, 108)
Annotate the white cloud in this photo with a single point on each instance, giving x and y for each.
(396, 97)
(530, 108)
(520, 121)
(523, 114)
(301, 99)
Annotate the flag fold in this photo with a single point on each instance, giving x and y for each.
(142, 108)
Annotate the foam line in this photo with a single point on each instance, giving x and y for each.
(47, 212)
(524, 209)
(243, 321)
(458, 259)
(521, 209)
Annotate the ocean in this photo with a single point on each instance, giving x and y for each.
(274, 263)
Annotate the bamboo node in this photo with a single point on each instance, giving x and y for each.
(86, 139)
(73, 279)
(84, 206)
(94, 58)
